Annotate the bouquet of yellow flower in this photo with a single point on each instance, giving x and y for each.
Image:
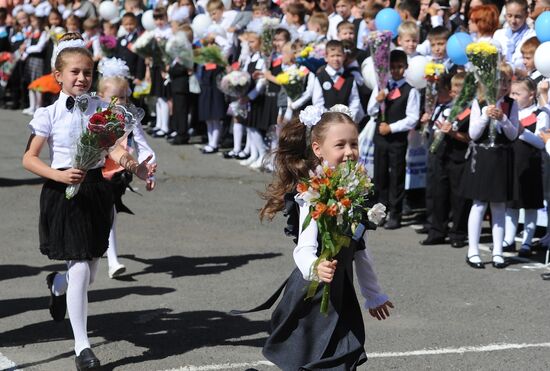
(312, 56)
(484, 57)
(337, 196)
(432, 73)
(292, 80)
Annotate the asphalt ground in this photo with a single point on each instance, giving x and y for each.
(195, 249)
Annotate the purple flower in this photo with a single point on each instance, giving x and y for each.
(107, 42)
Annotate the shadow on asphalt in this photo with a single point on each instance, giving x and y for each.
(7, 182)
(11, 307)
(161, 332)
(181, 266)
(10, 271)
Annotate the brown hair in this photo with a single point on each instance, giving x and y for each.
(90, 23)
(60, 59)
(333, 45)
(345, 24)
(527, 83)
(294, 158)
(458, 78)
(372, 11)
(530, 45)
(319, 19)
(215, 5)
(299, 10)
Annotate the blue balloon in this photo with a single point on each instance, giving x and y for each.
(456, 47)
(542, 26)
(388, 19)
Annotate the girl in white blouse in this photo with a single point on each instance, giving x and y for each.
(302, 337)
(75, 230)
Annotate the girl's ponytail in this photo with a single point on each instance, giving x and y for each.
(293, 159)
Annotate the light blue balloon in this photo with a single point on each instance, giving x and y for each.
(542, 26)
(388, 19)
(456, 47)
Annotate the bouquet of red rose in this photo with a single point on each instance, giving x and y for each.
(104, 130)
(337, 197)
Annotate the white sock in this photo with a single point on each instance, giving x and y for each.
(529, 226)
(112, 255)
(511, 226)
(77, 302)
(247, 145)
(498, 215)
(60, 284)
(238, 131)
(259, 143)
(32, 100)
(474, 229)
(165, 115)
(214, 127)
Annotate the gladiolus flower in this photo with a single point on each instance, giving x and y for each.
(332, 210)
(346, 202)
(320, 208)
(340, 193)
(301, 187)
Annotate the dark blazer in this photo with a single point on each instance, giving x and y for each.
(179, 79)
(135, 63)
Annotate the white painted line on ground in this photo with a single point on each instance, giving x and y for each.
(6, 364)
(421, 352)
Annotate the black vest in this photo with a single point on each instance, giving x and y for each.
(500, 139)
(331, 95)
(252, 67)
(453, 149)
(396, 110)
(273, 88)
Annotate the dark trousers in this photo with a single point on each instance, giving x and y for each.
(180, 114)
(447, 175)
(389, 173)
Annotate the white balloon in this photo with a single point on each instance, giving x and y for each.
(200, 25)
(108, 10)
(367, 70)
(148, 21)
(415, 74)
(542, 63)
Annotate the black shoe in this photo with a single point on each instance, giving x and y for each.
(242, 156)
(392, 224)
(457, 244)
(178, 140)
(152, 130)
(545, 276)
(499, 265)
(58, 304)
(159, 134)
(524, 251)
(423, 230)
(480, 265)
(209, 150)
(230, 155)
(433, 241)
(509, 248)
(87, 361)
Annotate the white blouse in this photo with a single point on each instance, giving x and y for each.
(305, 255)
(62, 128)
(542, 123)
(479, 120)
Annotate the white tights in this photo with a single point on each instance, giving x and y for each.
(75, 282)
(257, 145)
(238, 133)
(112, 255)
(530, 225)
(35, 100)
(163, 115)
(214, 129)
(475, 221)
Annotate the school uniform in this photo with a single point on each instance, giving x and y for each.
(135, 63)
(179, 88)
(75, 229)
(483, 180)
(158, 86)
(34, 56)
(402, 114)
(5, 33)
(270, 109)
(510, 43)
(253, 64)
(211, 100)
(447, 167)
(528, 159)
(333, 87)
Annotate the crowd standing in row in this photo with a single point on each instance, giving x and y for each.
(234, 67)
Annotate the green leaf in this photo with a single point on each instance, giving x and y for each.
(307, 220)
(325, 299)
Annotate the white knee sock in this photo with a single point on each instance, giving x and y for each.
(214, 127)
(498, 215)
(474, 229)
(32, 100)
(238, 131)
(512, 218)
(163, 115)
(248, 142)
(112, 255)
(258, 141)
(77, 302)
(529, 226)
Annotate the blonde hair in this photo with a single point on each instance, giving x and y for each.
(117, 81)
(321, 20)
(408, 28)
(215, 5)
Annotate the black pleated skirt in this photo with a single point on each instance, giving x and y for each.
(256, 117)
(158, 88)
(489, 175)
(527, 177)
(76, 229)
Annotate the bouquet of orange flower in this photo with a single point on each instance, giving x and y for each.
(337, 196)
(104, 130)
